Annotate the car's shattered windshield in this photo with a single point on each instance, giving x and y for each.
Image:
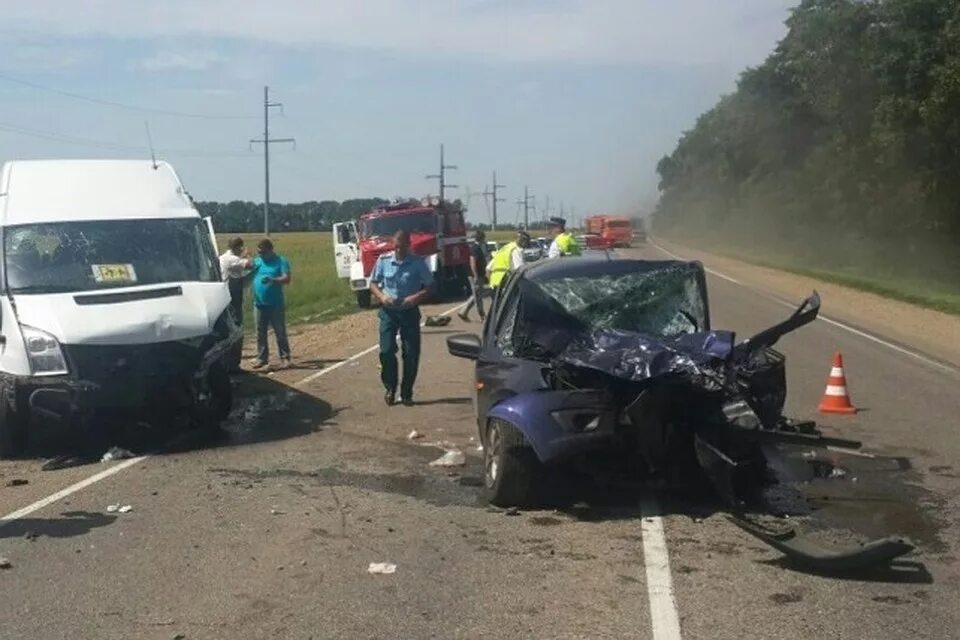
(663, 303)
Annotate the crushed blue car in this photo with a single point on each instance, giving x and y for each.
(595, 355)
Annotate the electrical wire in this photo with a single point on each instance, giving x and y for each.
(110, 146)
(120, 105)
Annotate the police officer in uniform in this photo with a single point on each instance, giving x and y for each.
(564, 244)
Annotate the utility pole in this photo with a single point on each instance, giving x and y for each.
(266, 142)
(493, 192)
(546, 210)
(525, 203)
(442, 176)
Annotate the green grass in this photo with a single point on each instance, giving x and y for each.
(932, 293)
(315, 293)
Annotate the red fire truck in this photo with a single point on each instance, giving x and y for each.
(437, 232)
(615, 230)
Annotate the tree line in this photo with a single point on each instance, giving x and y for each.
(848, 134)
(247, 217)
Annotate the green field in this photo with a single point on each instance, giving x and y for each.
(315, 293)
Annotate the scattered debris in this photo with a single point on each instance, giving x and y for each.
(17, 482)
(452, 458)
(113, 508)
(31, 535)
(125, 509)
(437, 321)
(119, 508)
(414, 435)
(277, 512)
(381, 568)
(5, 564)
(512, 511)
(805, 552)
(66, 461)
(116, 453)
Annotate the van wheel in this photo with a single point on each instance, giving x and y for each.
(510, 467)
(13, 428)
(363, 299)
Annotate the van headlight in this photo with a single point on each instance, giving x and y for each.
(44, 352)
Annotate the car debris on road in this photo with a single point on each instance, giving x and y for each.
(452, 458)
(381, 568)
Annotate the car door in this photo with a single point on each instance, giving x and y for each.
(345, 248)
(494, 366)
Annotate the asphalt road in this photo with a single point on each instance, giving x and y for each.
(268, 532)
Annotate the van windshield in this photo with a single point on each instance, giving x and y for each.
(83, 256)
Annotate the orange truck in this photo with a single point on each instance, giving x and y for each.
(616, 231)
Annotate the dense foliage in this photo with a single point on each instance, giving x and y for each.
(848, 133)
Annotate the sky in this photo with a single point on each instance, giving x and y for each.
(578, 99)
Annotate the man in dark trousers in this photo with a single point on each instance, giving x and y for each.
(478, 275)
(401, 281)
(271, 273)
(234, 265)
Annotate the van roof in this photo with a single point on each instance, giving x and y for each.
(36, 191)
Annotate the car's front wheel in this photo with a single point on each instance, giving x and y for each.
(510, 467)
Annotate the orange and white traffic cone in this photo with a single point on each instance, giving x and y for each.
(835, 398)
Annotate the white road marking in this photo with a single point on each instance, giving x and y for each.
(126, 464)
(664, 618)
(63, 493)
(830, 321)
(313, 376)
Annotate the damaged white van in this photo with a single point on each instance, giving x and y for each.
(112, 302)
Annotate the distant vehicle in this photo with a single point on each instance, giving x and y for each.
(437, 232)
(113, 302)
(593, 241)
(534, 252)
(615, 230)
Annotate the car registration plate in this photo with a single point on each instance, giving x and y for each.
(114, 273)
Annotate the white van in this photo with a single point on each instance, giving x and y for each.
(111, 301)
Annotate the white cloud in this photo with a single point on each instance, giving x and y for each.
(631, 31)
(176, 60)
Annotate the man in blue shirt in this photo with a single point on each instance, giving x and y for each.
(271, 272)
(401, 281)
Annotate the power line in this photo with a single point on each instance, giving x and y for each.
(525, 203)
(266, 142)
(120, 105)
(441, 177)
(110, 146)
(493, 192)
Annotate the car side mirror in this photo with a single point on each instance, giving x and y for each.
(464, 345)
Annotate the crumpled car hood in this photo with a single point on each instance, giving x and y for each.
(633, 356)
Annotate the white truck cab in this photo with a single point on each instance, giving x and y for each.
(111, 298)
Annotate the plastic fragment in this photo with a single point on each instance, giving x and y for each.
(452, 458)
(113, 508)
(414, 435)
(125, 509)
(116, 453)
(381, 568)
(5, 563)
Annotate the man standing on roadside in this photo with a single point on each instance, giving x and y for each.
(234, 264)
(564, 244)
(401, 281)
(271, 273)
(508, 258)
(478, 275)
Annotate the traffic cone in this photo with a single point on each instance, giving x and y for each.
(835, 398)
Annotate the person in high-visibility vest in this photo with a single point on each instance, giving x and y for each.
(508, 258)
(564, 244)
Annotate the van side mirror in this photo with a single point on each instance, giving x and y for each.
(464, 345)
